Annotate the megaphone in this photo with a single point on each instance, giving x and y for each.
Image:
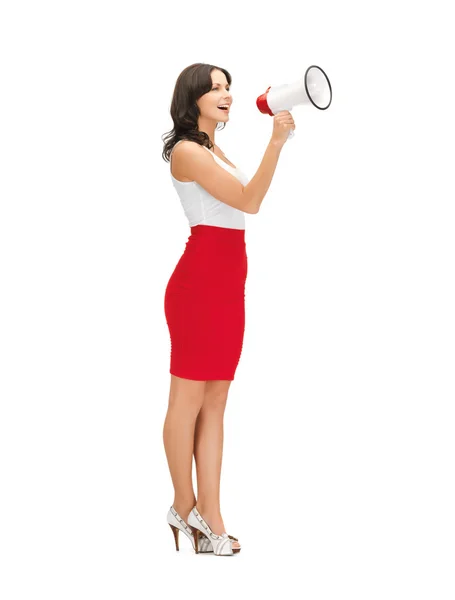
(314, 88)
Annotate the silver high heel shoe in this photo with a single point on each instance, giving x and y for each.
(178, 524)
(221, 544)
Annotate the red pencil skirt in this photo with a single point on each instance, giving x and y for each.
(204, 304)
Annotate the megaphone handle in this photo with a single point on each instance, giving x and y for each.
(291, 132)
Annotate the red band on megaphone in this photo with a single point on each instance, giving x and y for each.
(261, 103)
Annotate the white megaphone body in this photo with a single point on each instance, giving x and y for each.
(314, 88)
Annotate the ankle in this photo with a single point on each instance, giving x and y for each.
(183, 506)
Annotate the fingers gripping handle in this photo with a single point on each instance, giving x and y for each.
(291, 132)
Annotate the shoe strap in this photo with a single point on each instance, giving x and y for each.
(181, 521)
(218, 541)
(209, 533)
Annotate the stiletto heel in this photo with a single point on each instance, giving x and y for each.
(196, 536)
(175, 531)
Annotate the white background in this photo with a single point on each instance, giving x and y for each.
(338, 465)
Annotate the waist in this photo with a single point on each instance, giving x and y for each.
(219, 233)
(209, 242)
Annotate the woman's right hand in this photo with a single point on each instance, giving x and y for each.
(282, 124)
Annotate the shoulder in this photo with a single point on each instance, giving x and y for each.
(189, 158)
(187, 146)
(187, 151)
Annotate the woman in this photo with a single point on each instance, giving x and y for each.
(205, 296)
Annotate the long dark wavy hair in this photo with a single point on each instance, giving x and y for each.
(192, 83)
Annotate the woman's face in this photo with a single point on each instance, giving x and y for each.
(219, 95)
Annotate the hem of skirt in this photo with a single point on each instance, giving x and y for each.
(189, 376)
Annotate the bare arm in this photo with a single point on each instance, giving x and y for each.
(256, 189)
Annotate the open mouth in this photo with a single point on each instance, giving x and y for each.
(225, 108)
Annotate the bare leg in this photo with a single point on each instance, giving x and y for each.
(208, 451)
(185, 400)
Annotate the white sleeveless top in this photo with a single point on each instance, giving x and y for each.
(201, 208)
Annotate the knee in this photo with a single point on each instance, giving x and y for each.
(189, 404)
(215, 401)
